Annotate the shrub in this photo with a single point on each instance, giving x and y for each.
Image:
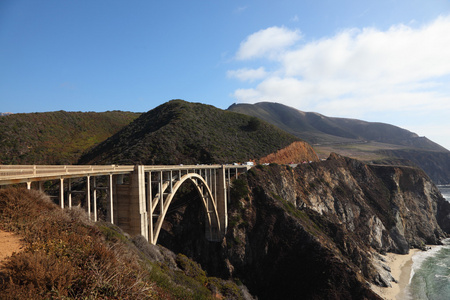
(65, 255)
(239, 189)
(68, 257)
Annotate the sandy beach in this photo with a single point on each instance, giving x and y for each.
(401, 270)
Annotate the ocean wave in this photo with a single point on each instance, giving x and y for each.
(420, 257)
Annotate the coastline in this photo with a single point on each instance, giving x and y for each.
(401, 266)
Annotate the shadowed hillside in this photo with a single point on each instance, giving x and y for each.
(179, 132)
(367, 141)
(56, 137)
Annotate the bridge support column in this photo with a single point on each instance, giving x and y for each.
(111, 199)
(132, 208)
(61, 192)
(140, 191)
(88, 195)
(221, 200)
(70, 193)
(95, 199)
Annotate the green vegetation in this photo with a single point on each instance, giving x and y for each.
(58, 137)
(179, 132)
(65, 256)
(239, 189)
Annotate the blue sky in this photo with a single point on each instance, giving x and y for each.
(385, 61)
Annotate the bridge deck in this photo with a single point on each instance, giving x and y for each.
(148, 191)
(14, 174)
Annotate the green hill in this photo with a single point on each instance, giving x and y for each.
(180, 132)
(367, 141)
(58, 137)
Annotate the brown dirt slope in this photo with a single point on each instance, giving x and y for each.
(9, 243)
(294, 153)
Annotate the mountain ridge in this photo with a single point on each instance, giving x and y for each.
(300, 123)
(372, 142)
(181, 132)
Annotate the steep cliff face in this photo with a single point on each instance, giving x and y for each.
(435, 163)
(315, 231)
(322, 218)
(394, 208)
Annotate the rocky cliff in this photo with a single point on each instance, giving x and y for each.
(315, 231)
(435, 163)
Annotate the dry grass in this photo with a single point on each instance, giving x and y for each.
(65, 256)
(296, 152)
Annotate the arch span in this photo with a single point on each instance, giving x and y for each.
(209, 203)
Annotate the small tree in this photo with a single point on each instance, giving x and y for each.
(254, 123)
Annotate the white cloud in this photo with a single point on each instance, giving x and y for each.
(267, 43)
(401, 68)
(401, 54)
(248, 74)
(362, 73)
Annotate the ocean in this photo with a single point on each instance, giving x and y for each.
(430, 276)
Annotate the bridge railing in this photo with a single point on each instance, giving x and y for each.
(31, 171)
(19, 173)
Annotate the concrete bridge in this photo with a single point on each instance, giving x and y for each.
(138, 196)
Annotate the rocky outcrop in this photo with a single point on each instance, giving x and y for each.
(315, 231)
(435, 163)
(294, 153)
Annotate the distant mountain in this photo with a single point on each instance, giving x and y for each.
(5, 114)
(180, 132)
(58, 137)
(367, 141)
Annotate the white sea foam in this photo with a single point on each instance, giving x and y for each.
(420, 257)
(445, 191)
(442, 276)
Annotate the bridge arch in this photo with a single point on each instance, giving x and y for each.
(209, 203)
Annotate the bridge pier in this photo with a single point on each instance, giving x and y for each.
(221, 200)
(95, 198)
(61, 192)
(88, 195)
(69, 189)
(111, 199)
(131, 208)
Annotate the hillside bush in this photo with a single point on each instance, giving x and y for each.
(68, 257)
(58, 137)
(63, 257)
